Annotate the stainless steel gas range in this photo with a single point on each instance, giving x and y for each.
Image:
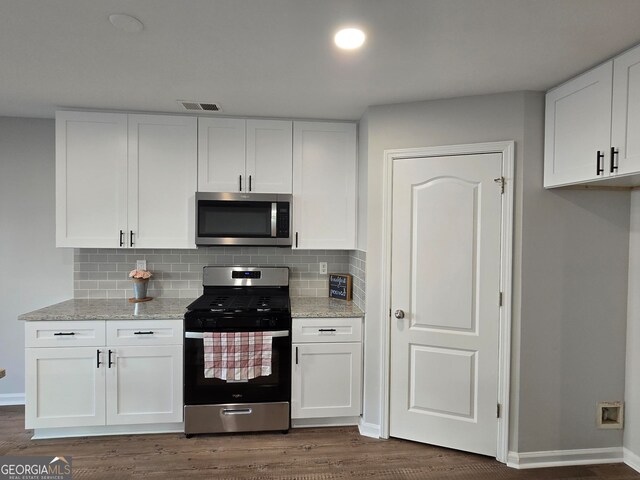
(243, 316)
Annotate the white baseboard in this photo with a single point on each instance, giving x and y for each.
(563, 458)
(11, 399)
(369, 429)
(96, 431)
(632, 459)
(324, 422)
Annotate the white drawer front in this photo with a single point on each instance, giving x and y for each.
(144, 332)
(327, 330)
(72, 333)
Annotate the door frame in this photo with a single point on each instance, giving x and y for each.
(507, 149)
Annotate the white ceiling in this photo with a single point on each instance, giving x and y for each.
(276, 57)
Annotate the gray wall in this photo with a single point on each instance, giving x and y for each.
(567, 352)
(573, 312)
(421, 124)
(33, 273)
(632, 387)
(363, 164)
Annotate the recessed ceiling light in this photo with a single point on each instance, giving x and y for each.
(349, 38)
(126, 23)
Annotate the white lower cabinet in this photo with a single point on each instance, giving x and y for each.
(124, 380)
(145, 385)
(326, 382)
(64, 388)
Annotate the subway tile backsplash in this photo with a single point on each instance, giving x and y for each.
(103, 273)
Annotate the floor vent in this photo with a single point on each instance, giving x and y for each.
(199, 106)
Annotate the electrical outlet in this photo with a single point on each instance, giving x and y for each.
(141, 264)
(323, 268)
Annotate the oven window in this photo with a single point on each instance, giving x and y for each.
(234, 219)
(199, 390)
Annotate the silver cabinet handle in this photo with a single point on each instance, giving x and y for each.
(399, 314)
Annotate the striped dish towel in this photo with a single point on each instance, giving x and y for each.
(237, 355)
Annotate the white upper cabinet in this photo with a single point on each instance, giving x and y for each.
(577, 128)
(269, 156)
(125, 180)
(237, 155)
(625, 132)
(592, 126)
(162, 181)
(91, 179)
(221, 154)
(324, 185)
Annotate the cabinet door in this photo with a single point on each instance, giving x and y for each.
(162, 181)
(91, 179)
(326, 380)
(625, 131)
(144, 385)
(64, 387)
(269, 156)
(324, 185)
(577, 126)
(221, 155)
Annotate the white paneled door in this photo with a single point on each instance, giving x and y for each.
(446, 260)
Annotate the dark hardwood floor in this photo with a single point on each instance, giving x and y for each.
(303, 454)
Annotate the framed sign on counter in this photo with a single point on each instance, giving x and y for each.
(340, 286)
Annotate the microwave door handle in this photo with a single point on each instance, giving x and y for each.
(274, 219)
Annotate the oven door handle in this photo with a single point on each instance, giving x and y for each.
(281, 333)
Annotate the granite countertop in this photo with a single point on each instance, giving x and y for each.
(174, 308)
(309, 307)
(111, 309)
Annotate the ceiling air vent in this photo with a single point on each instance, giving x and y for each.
(199, 106)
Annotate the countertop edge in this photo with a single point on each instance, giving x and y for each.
(171, 309)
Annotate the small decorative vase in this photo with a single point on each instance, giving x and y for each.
(140, 288)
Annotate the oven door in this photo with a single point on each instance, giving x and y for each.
(199, 390)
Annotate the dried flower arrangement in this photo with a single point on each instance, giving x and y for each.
(140, 274)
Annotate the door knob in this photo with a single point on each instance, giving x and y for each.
(399, 313)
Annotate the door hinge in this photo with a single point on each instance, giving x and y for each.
(501, 181)
(498, 411)
(499, 299)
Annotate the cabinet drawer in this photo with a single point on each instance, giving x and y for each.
(72, 333)
(144, 332)
(327, 330)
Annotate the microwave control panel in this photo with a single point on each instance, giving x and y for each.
(282, 224)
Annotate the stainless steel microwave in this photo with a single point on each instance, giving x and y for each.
(243, 219)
